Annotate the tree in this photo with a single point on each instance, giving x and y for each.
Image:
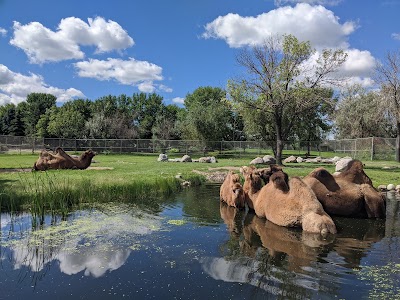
(360, 114)
(208, 114)
(37, 104)
(11, 122)
(388, 76)
(165, 125)
(146, 107)
(280, 85)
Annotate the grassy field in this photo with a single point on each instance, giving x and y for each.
(127, 177)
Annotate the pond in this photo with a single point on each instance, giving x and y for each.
(191, 247)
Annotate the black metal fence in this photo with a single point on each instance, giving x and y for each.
(363, 148)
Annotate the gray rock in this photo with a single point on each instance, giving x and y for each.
(342, 164)
(335, 159)
(257, 160)
(174, 159)
(299, 159)
(390, 187)
(398, 187)
(290, 159)
(382, 188)
(213, 159)
(205, 160)
(186, 158)
(162, 157)
(269, 159)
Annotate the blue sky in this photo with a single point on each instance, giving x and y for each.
(89, 49)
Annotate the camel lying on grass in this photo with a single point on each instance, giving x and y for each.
(61, 160)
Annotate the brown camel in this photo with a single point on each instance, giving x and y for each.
(291, 203)
(231, 191)
(61, 160)
(348, 194)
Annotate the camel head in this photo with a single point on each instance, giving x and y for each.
(238, 195)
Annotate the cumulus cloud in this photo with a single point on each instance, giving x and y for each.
(178, 100)
(3, 32)
(14, 87)
(312, 2)
(308, 23)
(42, 45)
(129, 72)
(396, 36)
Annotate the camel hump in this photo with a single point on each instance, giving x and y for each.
(280, 181)
(321, 173)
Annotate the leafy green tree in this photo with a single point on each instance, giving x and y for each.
(208, 114)
(66, 123)
(11, 120)
(165, 126)
(37, 104)
(361, 114)
(146, 107)
(279, 86)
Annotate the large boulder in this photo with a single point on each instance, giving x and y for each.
(204, 160)
(342, 164)
(299, 159)
(257, 161)
(290, 159)
(162, 157)
(269, 160)
(186, 158)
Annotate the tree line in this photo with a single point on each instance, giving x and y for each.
(278, 98)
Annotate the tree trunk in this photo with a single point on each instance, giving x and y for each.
(279, 141)
(398, 143)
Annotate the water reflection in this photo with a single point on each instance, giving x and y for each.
(93, 242)
(289, 262)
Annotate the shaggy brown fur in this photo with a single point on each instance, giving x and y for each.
(231, 191)
(343, 196)
(354, 172)
(292, 204)
(252, 185)
(61, 160)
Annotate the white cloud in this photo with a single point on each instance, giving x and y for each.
(358, 63)
(178, 100)
(44, 45)
(312, 2)
(308, 23)
(128, 72)
(165, 88)
(14, 87)
(3, 32)
(396, 36)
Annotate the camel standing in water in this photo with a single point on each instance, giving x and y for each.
(61, 160)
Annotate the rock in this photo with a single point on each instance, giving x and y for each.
(318, 159)
(311, 160)
(174, 159)
(178, 176)
(269, 159)
(382, 188)
(257, 161)
(290, 159)
(342, 164)
(327, 161)
(390, 187)
(162, 157)
(185, 183)
(186, 158)
(335, 159)
(299, 159)
(205, 160)
(398, 188)
(213, 160)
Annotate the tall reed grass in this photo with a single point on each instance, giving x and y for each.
(46, 193)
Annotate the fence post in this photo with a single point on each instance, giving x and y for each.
(372, 148)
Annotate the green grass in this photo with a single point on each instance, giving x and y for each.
(126, 178)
